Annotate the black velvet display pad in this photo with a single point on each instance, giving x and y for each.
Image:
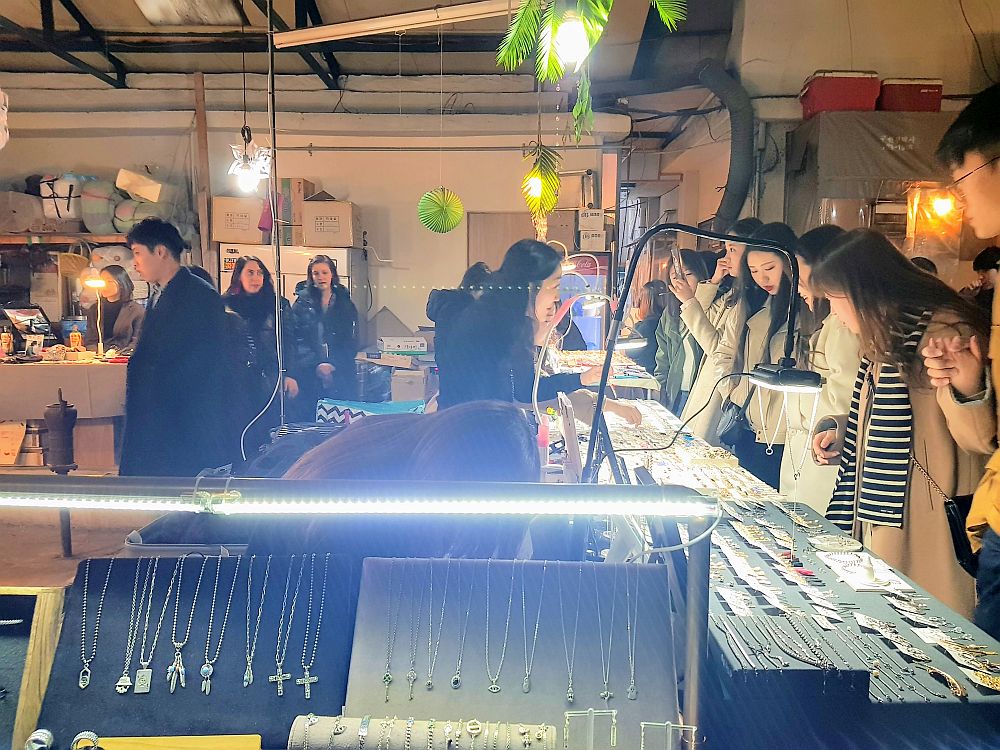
(229, 708)
(650, 625)
(13, 651)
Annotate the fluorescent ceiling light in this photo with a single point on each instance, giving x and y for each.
(417, 19)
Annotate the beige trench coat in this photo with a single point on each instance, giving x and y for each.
(952, 441)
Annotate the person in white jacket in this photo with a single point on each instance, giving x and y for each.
(705, 308)
(833, 352)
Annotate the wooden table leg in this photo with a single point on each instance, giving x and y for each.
(66, 532)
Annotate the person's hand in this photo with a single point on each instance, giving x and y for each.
(324, 371)
(955, 362)
(291, 387)
(591, 376)
(821, 444)
(721, 270)
(682, 288)
(628, 412)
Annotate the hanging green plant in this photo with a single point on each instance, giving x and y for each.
(440, 210)
(562, 33)
(541, 183)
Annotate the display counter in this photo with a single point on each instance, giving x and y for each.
(97, 389)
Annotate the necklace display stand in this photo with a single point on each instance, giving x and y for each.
(672, 735)
(648, 619)
(590, 737)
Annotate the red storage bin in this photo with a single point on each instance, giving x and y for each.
(839, 91)
(911, 95)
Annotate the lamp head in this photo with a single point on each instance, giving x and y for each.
(785, 377)
(91, 278)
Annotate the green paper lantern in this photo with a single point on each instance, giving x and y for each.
(440, 210)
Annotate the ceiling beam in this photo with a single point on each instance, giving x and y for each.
(87, 28)
(40, 43)
(48, 18)
(314, 18)
(278, 24)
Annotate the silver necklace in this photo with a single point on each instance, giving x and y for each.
(209, 666)
(606, 694)
(494, 681)
(280, 677)
(569, 652)
(411, 673)
(144, 676)
(251, 645)
(631, 625)
(134, 618)
(176, 669)
(85, 672)
(391, 626)
(307, 680)
(456, 679)
(529, 659)
(432, 646)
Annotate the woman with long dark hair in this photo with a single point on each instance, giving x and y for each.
(678, 355)
(326, 336)
(906, 445)
(651, 302)
(252, 296)
(756, 334)
(121, 316)
(828, 347)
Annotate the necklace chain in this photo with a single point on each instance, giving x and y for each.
(135, 617)
(225, 619)
(391, 625)
(411, 674)
(280, 650)
(434, 648)
(178, 645)
(606, 694)
(319, 618)
(251, 645)
(494, 686)
(529, 659)
(85, 673)
(456, 680)
(632, 626)
(569, 653)
(145, 660)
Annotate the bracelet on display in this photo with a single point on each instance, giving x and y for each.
(347, 733)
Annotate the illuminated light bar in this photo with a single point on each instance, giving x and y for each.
(284, 496)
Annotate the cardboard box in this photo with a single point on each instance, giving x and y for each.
(593, 241)
(387, 359)
(330, 223)
(237, 219)
(403, 344)
(294, 191)
(591, 219)
(409, 385)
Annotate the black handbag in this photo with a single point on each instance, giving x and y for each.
(956, 511)
(734, 427)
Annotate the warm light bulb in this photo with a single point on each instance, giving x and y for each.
(535, 186)
(572, 44)
(943, 205)
(91, 278)
(247, 179)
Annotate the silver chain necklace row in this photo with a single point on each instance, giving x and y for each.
(176, 671)
(134, 618)
(251, 644)
(280, 650)
(84, 680)
(208, 667)
(495, 680)
(307, 680)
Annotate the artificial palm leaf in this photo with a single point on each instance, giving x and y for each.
(440, 210)
(671, 12)
(522, 36)
(548, 66)
(541, 183)
(594, 14)
(583, 111)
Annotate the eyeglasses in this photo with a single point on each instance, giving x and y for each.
(954, 186)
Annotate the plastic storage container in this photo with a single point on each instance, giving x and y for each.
(911, 95)
(839, 91)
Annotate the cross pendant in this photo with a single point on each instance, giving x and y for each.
(279, 678)
(306, 681)
(411, 678)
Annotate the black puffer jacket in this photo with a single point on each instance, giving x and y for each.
(329, 335)
(444, 306)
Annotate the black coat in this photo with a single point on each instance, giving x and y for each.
(330, 336)
(176, 395)
(259, 318)
(492, 358)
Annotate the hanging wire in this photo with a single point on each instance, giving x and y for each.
(441, 105)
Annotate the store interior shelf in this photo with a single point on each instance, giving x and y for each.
(60, 239)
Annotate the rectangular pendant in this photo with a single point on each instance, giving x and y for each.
(143, 680)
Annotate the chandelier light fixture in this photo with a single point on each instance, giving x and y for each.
(251, 163)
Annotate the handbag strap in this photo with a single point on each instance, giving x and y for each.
(929, 478)
(746, 404)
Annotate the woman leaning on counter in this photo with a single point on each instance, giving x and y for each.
(121, 316)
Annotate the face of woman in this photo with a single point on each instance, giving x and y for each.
(842, 307)
(322, 276)
(110, 290)
(252, 277)
(766, 270)
(734, 254)
(547, 298)
(805, 273)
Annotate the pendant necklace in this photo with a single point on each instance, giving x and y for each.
(280, 676)
(176, 671)
(85, 672)
(456, 679)
(432, 646)
(144, 676)
(307, 680)
(251, 644)
(411, 673)
(134, 618)
(606, 694)
(209, 666)
(631, 625)
(570, 652)
(391, 626)
(529, 659)
(494, 681)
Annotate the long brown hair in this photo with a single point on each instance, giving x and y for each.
(881, 284)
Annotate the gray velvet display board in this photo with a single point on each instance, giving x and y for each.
(392, 589)
(13, 651)
(229, 708)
